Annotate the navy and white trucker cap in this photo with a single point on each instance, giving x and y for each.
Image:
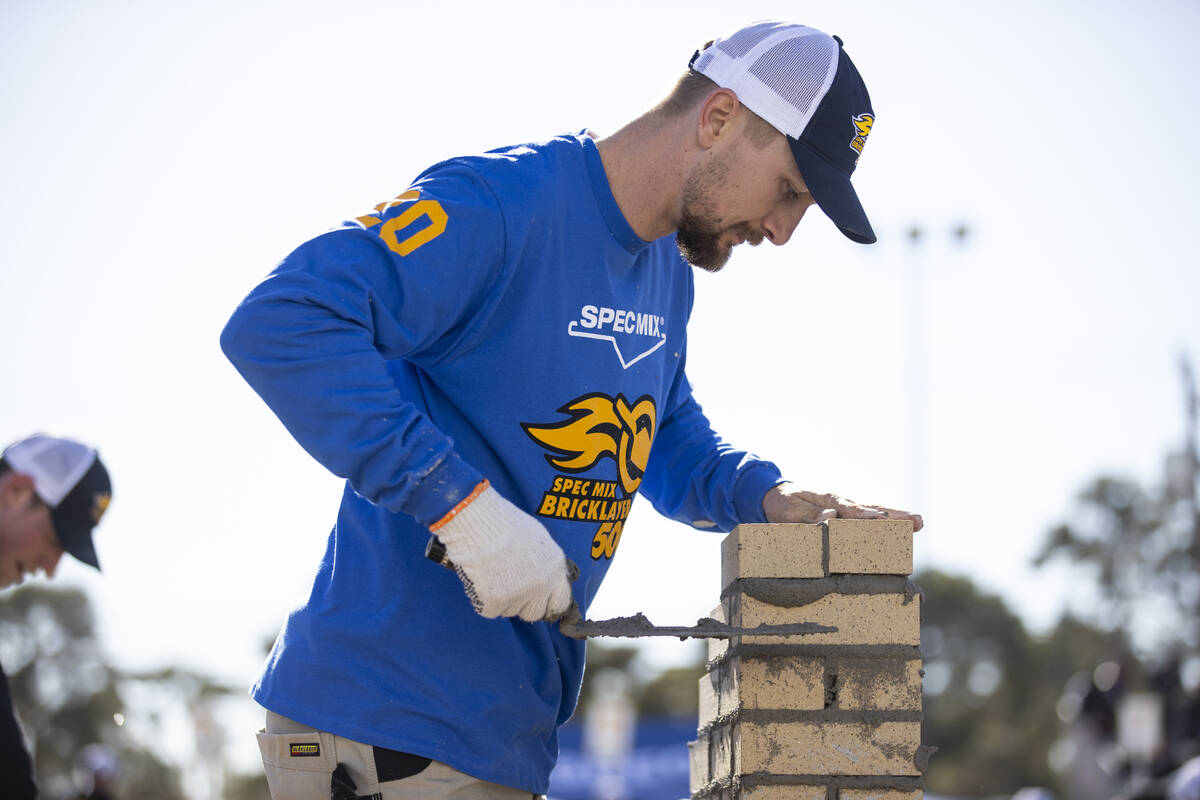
(69, 477)
(801, 81)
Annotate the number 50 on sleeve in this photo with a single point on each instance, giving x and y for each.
(392, 228)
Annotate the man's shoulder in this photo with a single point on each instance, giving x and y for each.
(518, 165)
(567, 147)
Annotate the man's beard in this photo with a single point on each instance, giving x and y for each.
(700, 233)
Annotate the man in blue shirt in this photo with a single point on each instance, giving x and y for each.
(496, 356)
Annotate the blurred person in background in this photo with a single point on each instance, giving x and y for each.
(1185, 782)
(1033, 793)
(53, 492)
(98, 763)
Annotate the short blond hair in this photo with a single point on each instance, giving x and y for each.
(692, 88)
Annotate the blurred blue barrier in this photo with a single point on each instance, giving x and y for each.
(655, 769)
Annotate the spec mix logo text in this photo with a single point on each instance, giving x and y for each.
(633, 334)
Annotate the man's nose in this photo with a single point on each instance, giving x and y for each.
(782, 221)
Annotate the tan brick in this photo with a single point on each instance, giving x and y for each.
(776, 683)
(870, 546)
(710, 695)
(879, 684)
(880, 794)
(720, 762)
(826, 748)
(861, 619)
(772, 551)
(698, 766)
(783, 793)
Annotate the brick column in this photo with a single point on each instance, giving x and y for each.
(827, 716)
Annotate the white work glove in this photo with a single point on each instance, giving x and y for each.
(505, 558)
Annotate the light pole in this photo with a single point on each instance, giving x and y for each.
(917, 358)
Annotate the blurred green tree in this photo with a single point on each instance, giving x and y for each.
(672, 692)
(992, 689)
(1141, 546)
(247, 787)
(68, 696)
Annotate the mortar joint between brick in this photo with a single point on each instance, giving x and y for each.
(912, 590)
(903, 783)
(825, 549)
(714, 788)
(903, 652)
(720, 721)
(856, 716)
(794, 592)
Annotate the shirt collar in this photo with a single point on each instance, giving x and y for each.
(618, 226)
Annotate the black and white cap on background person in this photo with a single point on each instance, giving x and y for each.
(70, 479)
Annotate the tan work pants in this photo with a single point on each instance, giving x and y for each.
(303, 764)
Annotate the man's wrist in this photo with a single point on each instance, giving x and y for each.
(754, 482)
(439, 492)
(479, 489)
(772, 497)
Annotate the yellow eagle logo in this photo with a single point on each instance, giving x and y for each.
(601, 426)
(862, 124)
(99, 506)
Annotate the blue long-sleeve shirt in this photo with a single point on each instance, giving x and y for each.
(499, 319)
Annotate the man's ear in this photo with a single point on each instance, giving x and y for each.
(716, 115)
(16, 490)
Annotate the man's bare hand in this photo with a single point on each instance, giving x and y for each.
(786, 503)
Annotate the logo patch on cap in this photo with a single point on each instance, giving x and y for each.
(306, 749)
(99, 506)
(862, 124)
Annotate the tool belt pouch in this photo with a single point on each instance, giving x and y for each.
(299, 766)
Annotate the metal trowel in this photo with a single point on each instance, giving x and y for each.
(573, 624)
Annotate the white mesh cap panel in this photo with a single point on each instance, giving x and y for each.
(800, 81)
(55, 465)
(744, 41)
(778, 70)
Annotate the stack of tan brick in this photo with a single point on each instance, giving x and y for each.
(826, 716)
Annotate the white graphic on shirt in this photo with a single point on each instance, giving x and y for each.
(639, 333)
